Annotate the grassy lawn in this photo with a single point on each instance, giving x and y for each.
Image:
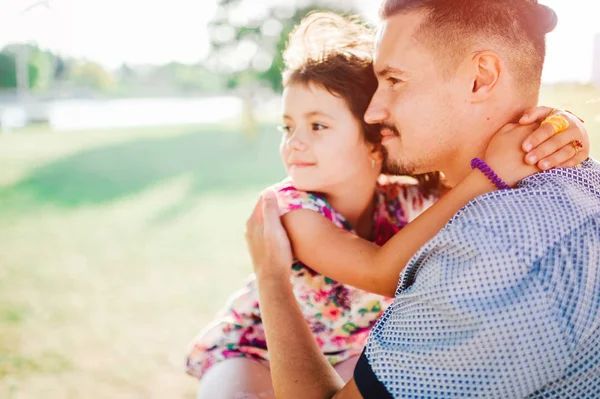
(116, 247)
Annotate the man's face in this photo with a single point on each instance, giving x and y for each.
(418, 107)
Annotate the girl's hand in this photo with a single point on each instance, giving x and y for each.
(267, 240)
(554, 150)
(505, 155)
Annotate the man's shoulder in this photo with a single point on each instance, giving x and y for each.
(501, 236)
(574, 192)
(541, 210)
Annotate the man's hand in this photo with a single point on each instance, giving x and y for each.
(267, 240)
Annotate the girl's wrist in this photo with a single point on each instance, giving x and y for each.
(480, 183)
(484, 169)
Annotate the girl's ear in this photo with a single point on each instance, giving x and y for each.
(376, 152)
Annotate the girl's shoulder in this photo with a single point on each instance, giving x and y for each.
(289, 198)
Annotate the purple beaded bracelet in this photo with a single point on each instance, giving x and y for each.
(477, 163)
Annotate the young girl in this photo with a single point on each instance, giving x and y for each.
(337, 208)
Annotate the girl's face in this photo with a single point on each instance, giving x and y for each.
(322, 146)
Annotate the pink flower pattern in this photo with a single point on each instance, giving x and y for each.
(339, 316)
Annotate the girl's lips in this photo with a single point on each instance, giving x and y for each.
(299, 167)
(301, 164)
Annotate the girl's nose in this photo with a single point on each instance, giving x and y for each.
(296, 141)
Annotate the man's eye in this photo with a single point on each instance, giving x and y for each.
(284, 129)
(393, 81)
(318, 126)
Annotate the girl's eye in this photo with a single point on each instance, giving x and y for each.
(284, 129)
(318, 126)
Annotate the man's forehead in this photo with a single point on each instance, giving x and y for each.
(379, 33)
(396, 35)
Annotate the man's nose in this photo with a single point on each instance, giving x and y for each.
(377, 112)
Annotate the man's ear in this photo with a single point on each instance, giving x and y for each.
(487, 70)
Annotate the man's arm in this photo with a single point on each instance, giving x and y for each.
(298, 368)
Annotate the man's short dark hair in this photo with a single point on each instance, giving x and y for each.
(453, 27)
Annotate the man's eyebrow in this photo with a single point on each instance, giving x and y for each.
(389, 70)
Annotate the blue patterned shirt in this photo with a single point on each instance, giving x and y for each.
(504, 302)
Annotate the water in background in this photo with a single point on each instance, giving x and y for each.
(78, 114)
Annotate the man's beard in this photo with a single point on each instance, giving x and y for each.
(396, 166)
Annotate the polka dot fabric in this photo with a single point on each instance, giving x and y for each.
(505, 301)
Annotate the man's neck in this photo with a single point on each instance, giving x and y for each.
(458, 165)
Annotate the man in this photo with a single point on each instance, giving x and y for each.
(505, 301)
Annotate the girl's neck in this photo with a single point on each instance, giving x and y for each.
(356, 203)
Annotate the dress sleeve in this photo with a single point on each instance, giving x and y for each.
(236, 332)
(289, 199)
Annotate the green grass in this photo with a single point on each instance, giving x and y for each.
(116, 247)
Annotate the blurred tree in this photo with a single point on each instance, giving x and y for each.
(173, 78)
(61, 68)
(37, 64)
(190, 78)
(92, 76)
(247, 42)
(8, 71)
(44, 67)
(44, 63)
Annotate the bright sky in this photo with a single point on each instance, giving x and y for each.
(158, 31)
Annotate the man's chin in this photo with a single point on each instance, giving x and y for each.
(397, 168)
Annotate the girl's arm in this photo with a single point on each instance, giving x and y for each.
(349, 259)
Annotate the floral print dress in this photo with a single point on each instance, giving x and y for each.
(340, 316)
